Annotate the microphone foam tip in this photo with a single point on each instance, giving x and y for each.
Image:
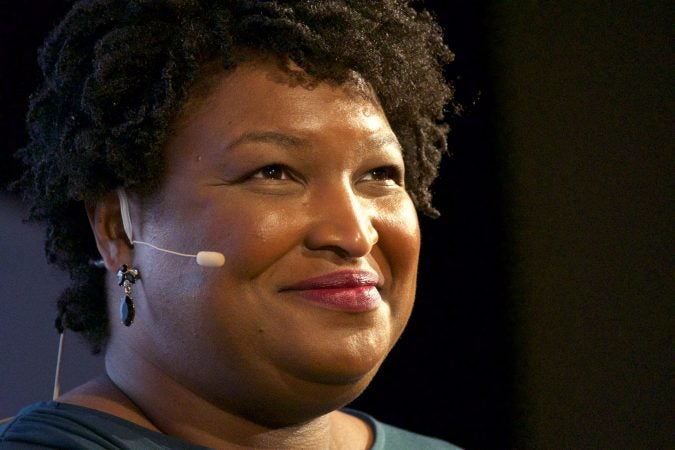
(210, 259)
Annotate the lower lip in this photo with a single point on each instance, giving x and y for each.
(356, 299)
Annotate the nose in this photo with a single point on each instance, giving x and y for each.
(342, 222)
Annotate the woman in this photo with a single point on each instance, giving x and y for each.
(294, 141)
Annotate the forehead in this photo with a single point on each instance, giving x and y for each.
(277, 80)
(259, 96)
(278, 118)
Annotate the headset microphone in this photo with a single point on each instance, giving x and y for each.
(204, 258)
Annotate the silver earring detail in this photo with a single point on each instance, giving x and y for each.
(126, 276)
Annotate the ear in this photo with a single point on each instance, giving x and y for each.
(106, 223)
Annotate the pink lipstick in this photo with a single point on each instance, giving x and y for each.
(349, 291)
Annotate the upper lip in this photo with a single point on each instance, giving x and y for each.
(343, 279)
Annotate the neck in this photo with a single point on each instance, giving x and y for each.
(184, 414)
(168, 407)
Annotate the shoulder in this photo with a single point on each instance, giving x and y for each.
(61, 425)
(389, 437)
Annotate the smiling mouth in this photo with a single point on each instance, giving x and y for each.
(348, 291)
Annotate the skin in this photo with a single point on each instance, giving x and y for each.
(289, 183)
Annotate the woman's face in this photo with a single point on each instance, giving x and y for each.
(301, 190)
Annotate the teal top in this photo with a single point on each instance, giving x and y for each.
(65, 426)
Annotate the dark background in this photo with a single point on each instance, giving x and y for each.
(545, 308)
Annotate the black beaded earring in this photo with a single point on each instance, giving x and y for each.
(126, 277)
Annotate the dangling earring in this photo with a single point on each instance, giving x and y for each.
(126, 277)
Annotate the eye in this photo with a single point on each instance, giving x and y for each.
(272, 172)
(385, 174)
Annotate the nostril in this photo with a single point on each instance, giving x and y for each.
(344, 238)
(339, 251)
(342, 223)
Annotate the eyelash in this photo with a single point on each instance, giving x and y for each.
(385, 173)
(267, 170)
(282, 172)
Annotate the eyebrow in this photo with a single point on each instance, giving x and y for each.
(271, 137)
(287, 140)
(383, 140)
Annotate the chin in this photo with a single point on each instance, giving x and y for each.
(338, 361)
(305, 400)
(342, 370)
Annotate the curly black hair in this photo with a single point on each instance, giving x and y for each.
(118, 72)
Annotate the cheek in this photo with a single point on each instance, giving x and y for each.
(399, 237)
(253, 236)
(399, 247)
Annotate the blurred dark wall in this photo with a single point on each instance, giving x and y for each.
(544, 316)
(27, 300)
(585, 120)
